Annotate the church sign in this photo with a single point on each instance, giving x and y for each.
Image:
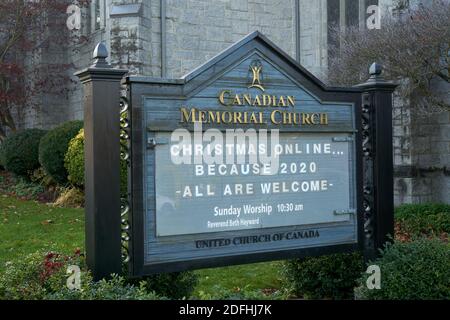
(247, 158)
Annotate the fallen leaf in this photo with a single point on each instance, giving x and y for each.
(46, 222)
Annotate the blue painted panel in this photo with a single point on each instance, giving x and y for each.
(176, 228)
(164, 114)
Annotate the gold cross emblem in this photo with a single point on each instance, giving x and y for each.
(256, 72)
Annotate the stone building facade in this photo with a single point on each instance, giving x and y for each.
(192, 31)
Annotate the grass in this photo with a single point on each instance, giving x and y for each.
(29, 226)
(258, 276)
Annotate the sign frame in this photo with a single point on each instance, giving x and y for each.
(112, 246)
(141, 88)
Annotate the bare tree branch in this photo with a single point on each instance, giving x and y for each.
(414, 46)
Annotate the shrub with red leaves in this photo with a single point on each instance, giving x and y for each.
(53, 262)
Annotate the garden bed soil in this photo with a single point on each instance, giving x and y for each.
(8, 186)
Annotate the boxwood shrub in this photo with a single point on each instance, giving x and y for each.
(74, 163)
(20, 152)
(2, 159)
(411, 271)
(176, 285)
(325, 277)
(74, 160)
(424, 219)
(53, 148)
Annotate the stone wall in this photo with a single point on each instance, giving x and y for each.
(196, 31)
(313, 36)
(127, 37)
(49, 109)
(422, 154)
(199, 29)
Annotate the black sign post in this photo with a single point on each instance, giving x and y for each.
(102, 174)
(366, 129)
(376, 130)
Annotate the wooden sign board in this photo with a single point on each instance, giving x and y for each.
(188, 212)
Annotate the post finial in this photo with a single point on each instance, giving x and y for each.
(376, 78)
(375, 69)
(100, 54)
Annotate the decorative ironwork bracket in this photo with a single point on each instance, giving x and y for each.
(125, 156)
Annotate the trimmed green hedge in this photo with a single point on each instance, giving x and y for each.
(74, 163)
(410, 271)
(2, 158)
(424, 219)
(176, 285)
(74, 160)
(20, 152)
(325, 277)
(53, 148)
